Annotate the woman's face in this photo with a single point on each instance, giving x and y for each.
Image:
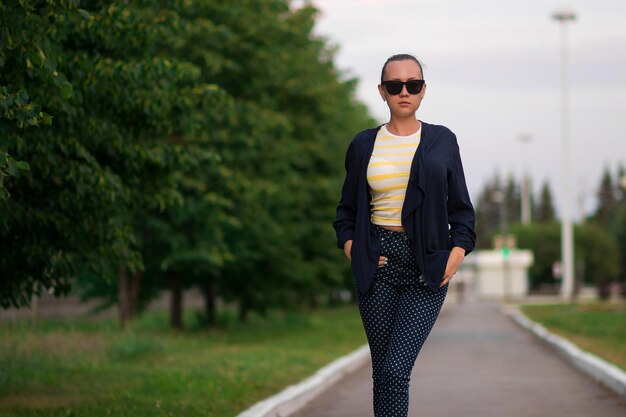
(403, 104)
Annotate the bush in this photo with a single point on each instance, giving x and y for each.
(594, 246)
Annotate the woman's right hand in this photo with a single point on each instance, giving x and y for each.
(347, 249)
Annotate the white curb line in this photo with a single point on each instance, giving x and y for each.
(295, 397)
(599, 369)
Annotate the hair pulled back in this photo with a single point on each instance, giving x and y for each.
(400, 57)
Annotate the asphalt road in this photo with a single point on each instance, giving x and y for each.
(478, 362)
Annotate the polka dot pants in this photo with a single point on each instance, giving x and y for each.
(398, 313)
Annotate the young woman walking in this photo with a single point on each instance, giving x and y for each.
(405, 221)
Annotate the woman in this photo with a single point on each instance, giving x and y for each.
(406, 222)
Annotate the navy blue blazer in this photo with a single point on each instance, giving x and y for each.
(437, 213)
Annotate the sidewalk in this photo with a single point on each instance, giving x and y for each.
(482, 364)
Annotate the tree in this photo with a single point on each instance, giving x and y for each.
(544, 212)
(620, 225)
(115, 109)
(611, 215)
(543, 238)
(488, 210)
(513, 200)
(594, 246)
(199, 147)
(607, 201)
(620, 186)
(487, 213)
(599, 251)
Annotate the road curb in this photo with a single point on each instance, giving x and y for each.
(295, 397)
(599, 369)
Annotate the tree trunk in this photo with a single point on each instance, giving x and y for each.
(604, 290)
(334, 298)
(135, 288)
(243, 310)
(128, 294)
(210, 295)
(579, 277)
(123, 296)
(176, 305)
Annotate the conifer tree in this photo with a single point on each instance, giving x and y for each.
(607, 201)
(619, 227)
(544, 212)
(513, 198)
(487, 212)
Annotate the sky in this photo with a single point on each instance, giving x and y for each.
(493, 74)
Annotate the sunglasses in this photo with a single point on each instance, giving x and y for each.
(395, 87)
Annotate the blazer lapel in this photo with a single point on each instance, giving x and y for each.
(371, 140)
(416, 188)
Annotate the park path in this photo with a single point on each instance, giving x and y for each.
(478, 362)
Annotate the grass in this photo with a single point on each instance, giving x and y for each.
(596, 327)
(88, 368)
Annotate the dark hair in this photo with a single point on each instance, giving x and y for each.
(400, 57)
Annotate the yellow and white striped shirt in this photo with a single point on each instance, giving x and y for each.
(388, 174)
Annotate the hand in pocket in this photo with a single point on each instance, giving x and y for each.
(347, 249)
(454, 261)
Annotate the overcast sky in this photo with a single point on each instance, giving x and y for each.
(492, 69)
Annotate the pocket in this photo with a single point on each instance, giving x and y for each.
(375, 237)
(383, 246)
(394, 251)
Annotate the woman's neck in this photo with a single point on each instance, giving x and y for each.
(403, 127)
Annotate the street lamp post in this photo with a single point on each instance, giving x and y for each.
(499, 197)
(622, 182)
(567, 232)
(525, 209)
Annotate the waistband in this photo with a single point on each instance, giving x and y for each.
(382, 230)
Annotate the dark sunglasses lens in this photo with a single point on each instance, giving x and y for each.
(394, 87)
(414, 87)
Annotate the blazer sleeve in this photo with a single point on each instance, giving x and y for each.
(461, 214)
(346, 210)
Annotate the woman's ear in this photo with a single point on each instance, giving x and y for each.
(381, 92)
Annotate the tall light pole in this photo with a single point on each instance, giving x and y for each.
(499, 196)
(525, 209)
(567, 233)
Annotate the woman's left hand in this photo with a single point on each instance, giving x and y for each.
(454, 261)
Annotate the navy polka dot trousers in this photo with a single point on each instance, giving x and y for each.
(398, 313)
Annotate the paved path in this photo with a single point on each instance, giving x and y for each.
(478, 362)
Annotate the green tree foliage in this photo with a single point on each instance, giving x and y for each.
(201, 145)
(293, 119)
(489, 210)
(619, 225)
(594, 245)
(513, 200)
(544, 212)
(621, 186)
(607, 200)
(28, 40)
(113, 148)
(544, 240)
(611, 214)
(487, 213)
(600, 255)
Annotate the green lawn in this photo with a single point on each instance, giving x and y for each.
(599, 328)
(87, 368)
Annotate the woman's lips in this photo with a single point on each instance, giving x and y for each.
(404, 103)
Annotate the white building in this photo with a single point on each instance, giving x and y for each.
(489, 274)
